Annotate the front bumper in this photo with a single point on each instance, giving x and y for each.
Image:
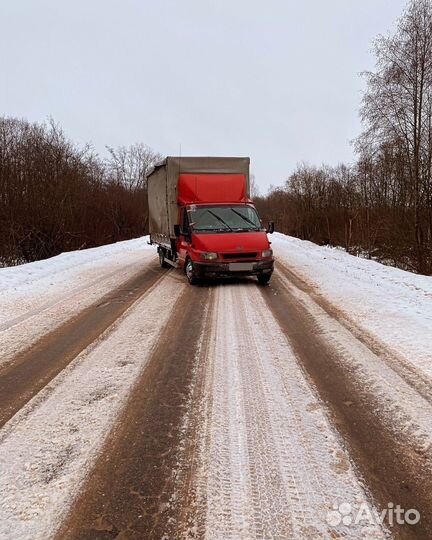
(222, 269)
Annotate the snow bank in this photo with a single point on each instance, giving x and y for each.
(36, 298)
(61, 273)
(393, 305)
(60, 268)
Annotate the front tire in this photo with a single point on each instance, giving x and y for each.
(263, 279)
(190, 273)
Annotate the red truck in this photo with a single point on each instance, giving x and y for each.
(202, 219)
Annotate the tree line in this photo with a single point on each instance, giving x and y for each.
(56, 196)
(382, 205)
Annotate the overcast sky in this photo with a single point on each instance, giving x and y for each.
(277, 80)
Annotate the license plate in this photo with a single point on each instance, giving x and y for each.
(240, 267)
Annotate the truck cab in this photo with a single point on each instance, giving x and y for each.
(223, 239)
(217, 230)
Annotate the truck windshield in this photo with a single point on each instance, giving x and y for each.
(224, 218)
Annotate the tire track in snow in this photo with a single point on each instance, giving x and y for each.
(271, 464)
(415, 376)
(21, 332)
(49, 447)
(140, 483)
(60, 299)
(31, 371)
(383, 419)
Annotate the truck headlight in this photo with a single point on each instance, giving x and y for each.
(267, 253)
(209, 255)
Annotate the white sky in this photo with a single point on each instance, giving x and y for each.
(277, 80)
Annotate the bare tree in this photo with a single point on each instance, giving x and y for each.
(397, 108)
(254, 188)
(129, 166)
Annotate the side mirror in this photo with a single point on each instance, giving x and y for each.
(270, 228)
(177, 230)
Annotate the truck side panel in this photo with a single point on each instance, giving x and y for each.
(159, 222)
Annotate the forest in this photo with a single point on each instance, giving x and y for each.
(56, 196)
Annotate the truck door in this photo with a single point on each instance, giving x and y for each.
(185, 236)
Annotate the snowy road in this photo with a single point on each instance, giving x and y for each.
(152, 409)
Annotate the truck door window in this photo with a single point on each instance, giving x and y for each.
(185, 229)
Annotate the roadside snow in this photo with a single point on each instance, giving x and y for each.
(25, 286)
(393, 305)
(38, 297)
(388, 393)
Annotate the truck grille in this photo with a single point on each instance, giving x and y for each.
(232, 256)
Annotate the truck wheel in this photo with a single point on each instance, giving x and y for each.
(190, 273)
(263, 279)
(162, 261)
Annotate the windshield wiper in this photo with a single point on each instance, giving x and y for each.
(246, 219)
(220, 219)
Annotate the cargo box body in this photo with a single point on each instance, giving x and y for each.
(175, 181)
